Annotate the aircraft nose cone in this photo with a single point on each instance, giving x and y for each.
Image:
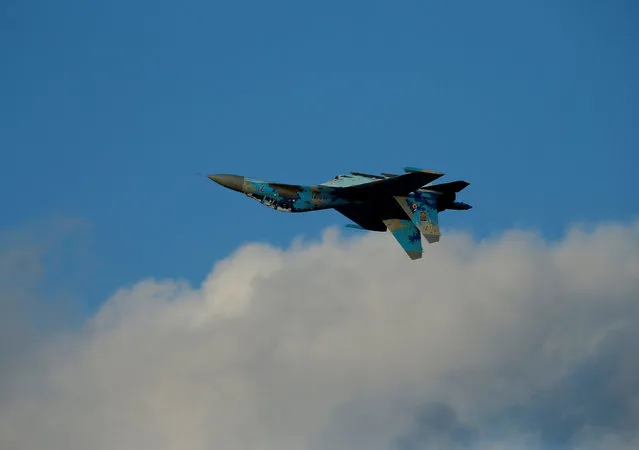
(234, 182)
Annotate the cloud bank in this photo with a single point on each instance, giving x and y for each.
(512, 342)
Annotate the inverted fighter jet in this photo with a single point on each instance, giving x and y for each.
(408, 205)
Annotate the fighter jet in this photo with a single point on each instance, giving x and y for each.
(407, 205)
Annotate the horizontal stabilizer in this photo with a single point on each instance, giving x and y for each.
(453, 186)
(459, 206)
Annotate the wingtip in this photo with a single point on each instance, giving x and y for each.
(417, 169)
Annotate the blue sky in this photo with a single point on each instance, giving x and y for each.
(110, 109)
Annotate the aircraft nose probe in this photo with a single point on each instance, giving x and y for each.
(234, 182)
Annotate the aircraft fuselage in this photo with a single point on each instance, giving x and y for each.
(283, 197)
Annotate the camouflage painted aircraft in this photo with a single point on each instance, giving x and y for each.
(407, 205)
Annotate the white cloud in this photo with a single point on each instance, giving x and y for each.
(349, 344)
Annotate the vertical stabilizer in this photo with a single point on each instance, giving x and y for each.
(405, 232)
(421, 208)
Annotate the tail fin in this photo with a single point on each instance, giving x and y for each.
(405, 232)
(421, 208)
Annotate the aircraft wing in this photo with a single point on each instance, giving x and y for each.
(397, 185)
(362, 215)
